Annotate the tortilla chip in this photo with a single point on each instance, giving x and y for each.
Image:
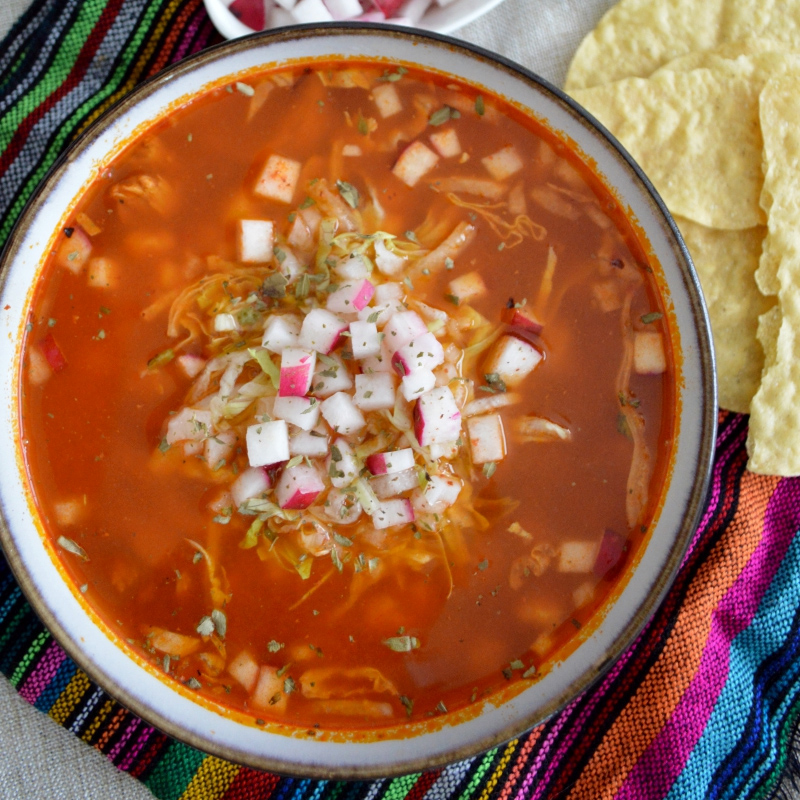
(773, 442)
(726, 262)
(636, 37)
(680, 127)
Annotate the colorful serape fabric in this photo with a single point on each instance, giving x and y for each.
(703, 705)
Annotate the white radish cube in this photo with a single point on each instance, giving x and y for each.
(225, 323)
(342, 464)
(577, 556)
(352, 268)
(351, 151)
(344, 9)
(648, 353)
(487, 440)
(446, 143)
(74, 251)
(380, 363)
(504, 163)
(268, 692)
(342, 507)
(417, 383)
(512, 360)
(331, 376)
(288, 263)
(437, 419)
(244, 669)
(341, 414)
(278, 180)
(390, 462)
(402, 328)
(102, 273)
(251, 482)
(424, 352)
(389, 292)
(255, 241)
(364, 339)
(191, 365)
(393, 512)
(313, 444)
(387, 99)
(440, 492)
(189, 424)
(298, 486)
(375, 391)
(281, 332)
(297, 369)
(446, 451)
(388, 263)
(351, 297)
(386, 486)
(192, 448)
(416, 161)
(381, 313)
(311, 11)
(467, 287)
(300, 411)
(219, 447)
(267, 443)
(69, 512)
(321, 330)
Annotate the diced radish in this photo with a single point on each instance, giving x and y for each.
(387, 100)
(69, 511)
(341, 414)
(225, 323)
(446, 143)
(577, 556)
(402, 328)
(342, 464)
(504, 163)
(192, 424)
(281, 332)
(467, 287)
(244, 668)
(313, 444)
(417, 383)
(388, 263)
(607, 295)
(483, 405)
(440, 492)
(612, 547)
(437, 419)
(344, 9)
(353, 268)
(330, 376)
(74, 250)
(255, 241)
(416, 161)
(374, 365)
(192, 448)
(381, 313)
(342, 507)
(267, 443)
(102, 273)
(375, 391)
(393, 512)
(352, 151)
(191, 365)
(251, 483)
(278, 179)
(300, 411)
(220, 447)
(648, 353)
(39, 370)
(386, 486)
(52, 352)
(415, 10)
(487, 439)
(268, 692)
(321, 330)
(287, 263)
(249, 12)
(297, 369)
(388, 7)
(389, 292)
(351, 297)
(523, 318)
(364, 339)
(447, 451)
(512, 360)
(311, 11)
(390, 462)
(424, 352)
(298, 486)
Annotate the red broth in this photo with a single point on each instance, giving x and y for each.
(289, 614)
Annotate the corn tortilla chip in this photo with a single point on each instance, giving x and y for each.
(773, 441)
(726, 262)
(696, 135)
(636, 37)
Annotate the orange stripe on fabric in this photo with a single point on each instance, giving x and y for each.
(175, 33)
(112, 728)
(72, 695)
(522, 759)
(655, 700)
(104, 711)
(211, 781)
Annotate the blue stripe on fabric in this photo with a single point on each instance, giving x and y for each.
(64, 674)
(764, 635)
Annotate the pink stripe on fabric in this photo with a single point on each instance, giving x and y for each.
(665, 758)
(52, 658)
(189, 33)
(131, 724)
(127, 762)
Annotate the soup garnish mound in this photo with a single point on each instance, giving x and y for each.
(347, 395)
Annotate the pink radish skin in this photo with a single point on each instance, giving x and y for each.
(298, 487)
(389, 463)
(297, 368)
(612, 547)
(321, 331)
(524, 319)
(437, 419)
(351, 297)
(424, 352)
(402, 328)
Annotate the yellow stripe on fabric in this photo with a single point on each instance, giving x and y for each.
(144, 57)
(72, 695)
(104, 711)
(503, 763)
(212, 779)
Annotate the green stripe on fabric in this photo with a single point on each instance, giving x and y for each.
(22, 667)
(767, 787)
(480, 772)
(174, 772)
(400, 787)
(12, 625)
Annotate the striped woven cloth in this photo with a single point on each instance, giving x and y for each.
(702, 705)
